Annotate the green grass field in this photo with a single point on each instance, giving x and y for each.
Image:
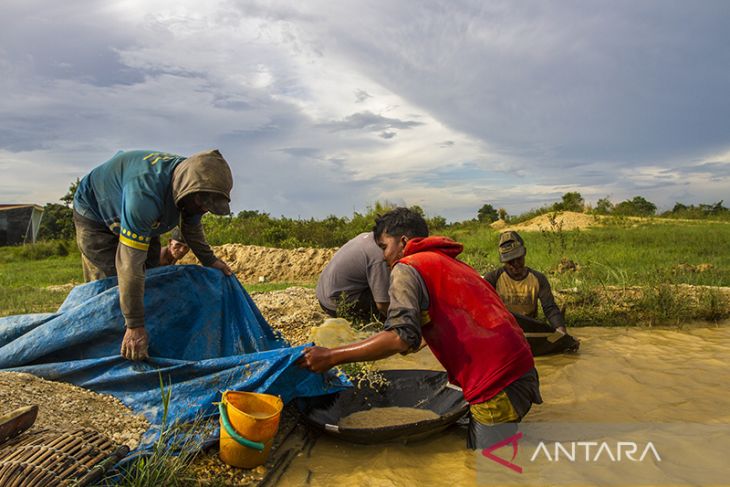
(622, 254)
(654, 255)
(27, 272)
(662, 259)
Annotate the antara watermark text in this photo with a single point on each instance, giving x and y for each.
(577, 454)
(593, 451)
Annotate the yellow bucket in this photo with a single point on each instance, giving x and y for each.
(249, 422)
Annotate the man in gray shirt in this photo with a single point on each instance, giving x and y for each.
(358, 274)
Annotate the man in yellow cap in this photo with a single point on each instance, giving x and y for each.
(519, 286)
(123, 206)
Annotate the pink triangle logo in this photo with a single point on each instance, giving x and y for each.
(512, 440)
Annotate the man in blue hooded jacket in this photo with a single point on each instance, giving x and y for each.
(122, 207)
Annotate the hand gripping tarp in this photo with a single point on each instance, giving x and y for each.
(206, 336)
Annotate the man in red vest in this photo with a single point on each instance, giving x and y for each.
(437, 298)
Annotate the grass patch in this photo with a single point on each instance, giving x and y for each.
(37, 251)
(26, 299)
(27, 271)
(266, 287)
(169, 458)
(657, 304)
(40, 265)
(713, 305)
(663, 304)
(629, 272)
(623, 253)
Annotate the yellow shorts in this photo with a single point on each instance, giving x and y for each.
(497, 410)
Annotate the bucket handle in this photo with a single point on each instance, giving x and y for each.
(234, 434)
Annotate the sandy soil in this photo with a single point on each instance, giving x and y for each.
(252, 263)
(64, 406)
(565, 220)
(570, 220)
(292, 311)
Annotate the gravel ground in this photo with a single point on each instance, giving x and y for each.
(292, 311)
(64, 406)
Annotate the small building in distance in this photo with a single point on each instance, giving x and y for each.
(19, 224)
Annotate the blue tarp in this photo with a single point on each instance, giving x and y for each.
(206, 336)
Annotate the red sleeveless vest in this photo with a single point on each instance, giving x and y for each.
(471, 333)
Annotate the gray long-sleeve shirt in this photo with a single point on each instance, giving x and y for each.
(131, 270)
(408, 300)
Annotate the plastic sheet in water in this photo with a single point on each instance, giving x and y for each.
(543, 339)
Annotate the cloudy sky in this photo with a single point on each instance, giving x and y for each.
(324, 107)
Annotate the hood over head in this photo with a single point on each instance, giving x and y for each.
(204, 172)
(436, 244)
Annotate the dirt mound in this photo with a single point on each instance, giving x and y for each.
(65, 406)
(252, 263)
(292, 311)
(566, 220)
(499, 224)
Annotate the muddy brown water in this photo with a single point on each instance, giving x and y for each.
(627, 375)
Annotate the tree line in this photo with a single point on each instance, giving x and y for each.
(636, 206)
(254, 227)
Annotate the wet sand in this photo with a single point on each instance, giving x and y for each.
(383, 417)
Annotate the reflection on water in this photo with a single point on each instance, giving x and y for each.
(620, 375)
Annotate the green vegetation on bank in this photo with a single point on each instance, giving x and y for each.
(620, 253)
(594, 271)
(626, 273)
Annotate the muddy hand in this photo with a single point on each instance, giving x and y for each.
(222, 266)
(316, 359)
(134, 344)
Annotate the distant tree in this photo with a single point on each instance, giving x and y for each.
(436, 222)
(703, 210)
(571, 201)
(248, 214)
(603, 206)
(718, 208)
(68, 198)
(638, 206)
(502, 214)
(487, 213)
(679, 207)
(57, 222)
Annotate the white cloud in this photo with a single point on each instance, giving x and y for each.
(324, 107)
